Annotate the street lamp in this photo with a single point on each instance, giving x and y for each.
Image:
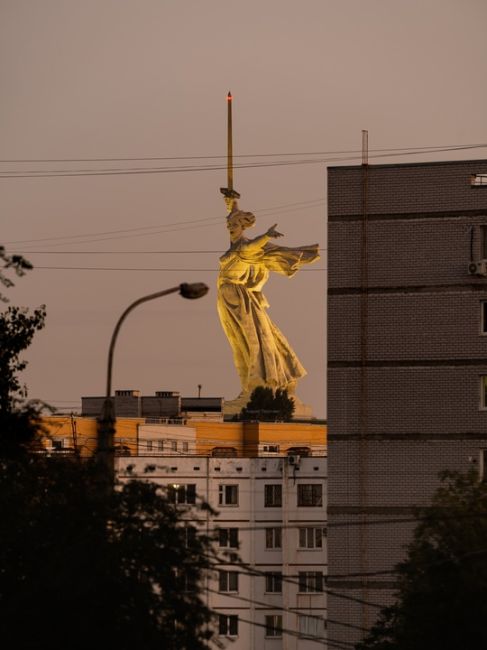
(106, 428)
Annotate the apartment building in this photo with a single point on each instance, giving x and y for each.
(407, 362)
(272, 512)
(268, 483)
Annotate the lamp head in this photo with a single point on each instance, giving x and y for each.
(193, 290)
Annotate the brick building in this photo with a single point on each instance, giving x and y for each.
(407, 361)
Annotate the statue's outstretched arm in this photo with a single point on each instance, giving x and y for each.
(259, 242)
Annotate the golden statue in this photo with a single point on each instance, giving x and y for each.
(261, 353)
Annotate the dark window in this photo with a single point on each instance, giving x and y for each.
(228, 495)
(273, 582)
(310, 581)
(181, 493)
(228, 580)
(186, 580)
(228, 537)
(273, 625)
(228, 625)
(483, 465)
(483, 392)
(273, 538)
(190, 535)
(224, 452)
(273, 496)
(483, 317)
(310, 494)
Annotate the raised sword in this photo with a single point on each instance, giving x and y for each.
(231, 195)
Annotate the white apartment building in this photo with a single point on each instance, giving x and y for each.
(272, 511)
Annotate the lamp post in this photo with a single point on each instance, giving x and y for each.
(106, 422)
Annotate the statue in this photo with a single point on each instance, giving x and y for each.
(261, 353)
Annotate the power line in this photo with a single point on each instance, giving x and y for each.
(165, 227)
(221, 157)
(103, 268)
(131, 252)
(203, 168)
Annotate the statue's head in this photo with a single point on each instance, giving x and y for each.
(238, 221)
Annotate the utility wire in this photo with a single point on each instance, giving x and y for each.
(221, 157)
(132, 252)
(213, 220)
(290, 610)
(203, 168)
(103, 268)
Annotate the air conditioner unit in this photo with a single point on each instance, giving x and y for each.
(293, 459)
(478, 268)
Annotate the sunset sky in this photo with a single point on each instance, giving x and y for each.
(140, 86)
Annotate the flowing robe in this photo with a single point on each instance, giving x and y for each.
(261, 353)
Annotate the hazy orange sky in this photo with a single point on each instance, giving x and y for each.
(132, 79)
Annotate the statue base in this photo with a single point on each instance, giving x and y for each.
(233, 407)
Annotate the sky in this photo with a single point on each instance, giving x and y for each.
(132, 80)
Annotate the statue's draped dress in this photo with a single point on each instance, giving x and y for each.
(262, 354)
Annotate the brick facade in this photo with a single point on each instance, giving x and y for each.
(405, 356)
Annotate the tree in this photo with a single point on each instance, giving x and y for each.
(266, 406)
(442, 584)
(79, 568)
(67, 580)
(16, 262)
(19, 419)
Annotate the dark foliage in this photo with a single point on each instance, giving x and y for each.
(69, 580)
(267, 406)
(19, 419)
(15, 262)
(81, 568)
(442, 594)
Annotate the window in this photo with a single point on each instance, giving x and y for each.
(483, 392)
(190, 536)
(273, 582)
(273, 625)
(160, 445)
(174, 445)
(483, 465)
(181, 493)
(272, 449)
(483, 317)
(148, 445)
(273, 538)
(311, 626)
(228, 495)
(310, 538)
(228, 537)
(185, 446)
(186, 581)
(227, 625)
(483, 242)
(310, 495)
(273, 496)
(478, 180)
(227, 580)
(310, 581)
(224, 452)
